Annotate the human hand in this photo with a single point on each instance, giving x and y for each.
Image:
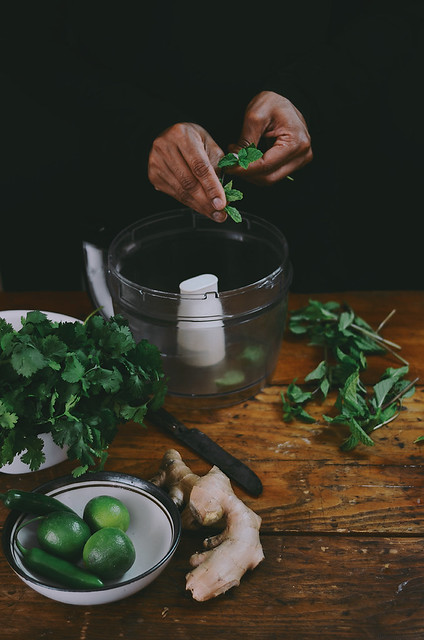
(273, 117)
(182, 164)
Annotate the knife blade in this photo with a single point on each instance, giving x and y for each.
(208, 449)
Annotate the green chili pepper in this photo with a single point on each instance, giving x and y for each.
(29, 502)
(57, 569)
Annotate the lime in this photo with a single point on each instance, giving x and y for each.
(63, 534)
(108, 553)
(106, 511)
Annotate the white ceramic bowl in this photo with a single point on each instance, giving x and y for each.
(155, 530)
(54, 454)
(13, 317)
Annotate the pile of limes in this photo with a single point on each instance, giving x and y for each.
(98, 539)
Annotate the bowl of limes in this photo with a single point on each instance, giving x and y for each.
(90, 540)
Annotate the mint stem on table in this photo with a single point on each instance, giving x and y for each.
(347, 340)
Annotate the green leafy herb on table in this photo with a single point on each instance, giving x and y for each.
(77, 381)
(243, 158)
(346, 340)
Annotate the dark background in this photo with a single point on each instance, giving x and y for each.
(352, 217)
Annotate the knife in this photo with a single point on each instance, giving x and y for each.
(208, 449)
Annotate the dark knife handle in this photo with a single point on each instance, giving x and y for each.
(209, 450)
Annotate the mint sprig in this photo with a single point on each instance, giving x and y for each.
(346, 340)
(243, 158)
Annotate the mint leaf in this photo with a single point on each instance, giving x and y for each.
(232, 194)
(233, 213)
(292, 405)
(247, 155)
(346, 340)
(243, 158)
(229, 160)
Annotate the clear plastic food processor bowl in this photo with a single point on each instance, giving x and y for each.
(212, 297)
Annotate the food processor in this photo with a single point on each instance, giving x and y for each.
(212, 297)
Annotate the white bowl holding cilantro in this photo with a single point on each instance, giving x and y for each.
(53, 453)
(14, 317)
(74, 380)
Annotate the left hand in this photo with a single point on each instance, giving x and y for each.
(271, 116)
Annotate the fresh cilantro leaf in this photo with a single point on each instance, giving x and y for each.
(76, 381)
(26, 359)
(8, 449)
(74, 370)
(8, 419)
(34, 455)
(108, 379)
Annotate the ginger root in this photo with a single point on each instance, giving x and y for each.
(209, 500)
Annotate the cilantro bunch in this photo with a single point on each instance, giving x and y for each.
(346, 340)
(77, 381)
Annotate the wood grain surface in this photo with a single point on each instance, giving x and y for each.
(343, 533)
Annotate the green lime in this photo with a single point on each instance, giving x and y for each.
(63, 534)
(106, 511)
(108, 553)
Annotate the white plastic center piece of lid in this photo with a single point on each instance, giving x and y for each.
(201, 338)
(200, 284)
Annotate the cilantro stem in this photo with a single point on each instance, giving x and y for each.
(92, 314)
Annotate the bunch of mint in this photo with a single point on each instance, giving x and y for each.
(77, 381)
(346, 340)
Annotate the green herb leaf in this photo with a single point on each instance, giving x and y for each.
(8, 419)
(346, 339)
(77, 381)
(233, 213)
(229, 160)
(243, 158)
(232, 194)
(292, 406)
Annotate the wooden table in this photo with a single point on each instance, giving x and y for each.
(342, 532)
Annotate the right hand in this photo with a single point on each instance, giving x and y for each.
(182, 164)
(273, 117)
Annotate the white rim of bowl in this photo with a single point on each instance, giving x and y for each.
(161, 498)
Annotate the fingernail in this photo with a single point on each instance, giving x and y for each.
(219, 216)
(218, 203)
